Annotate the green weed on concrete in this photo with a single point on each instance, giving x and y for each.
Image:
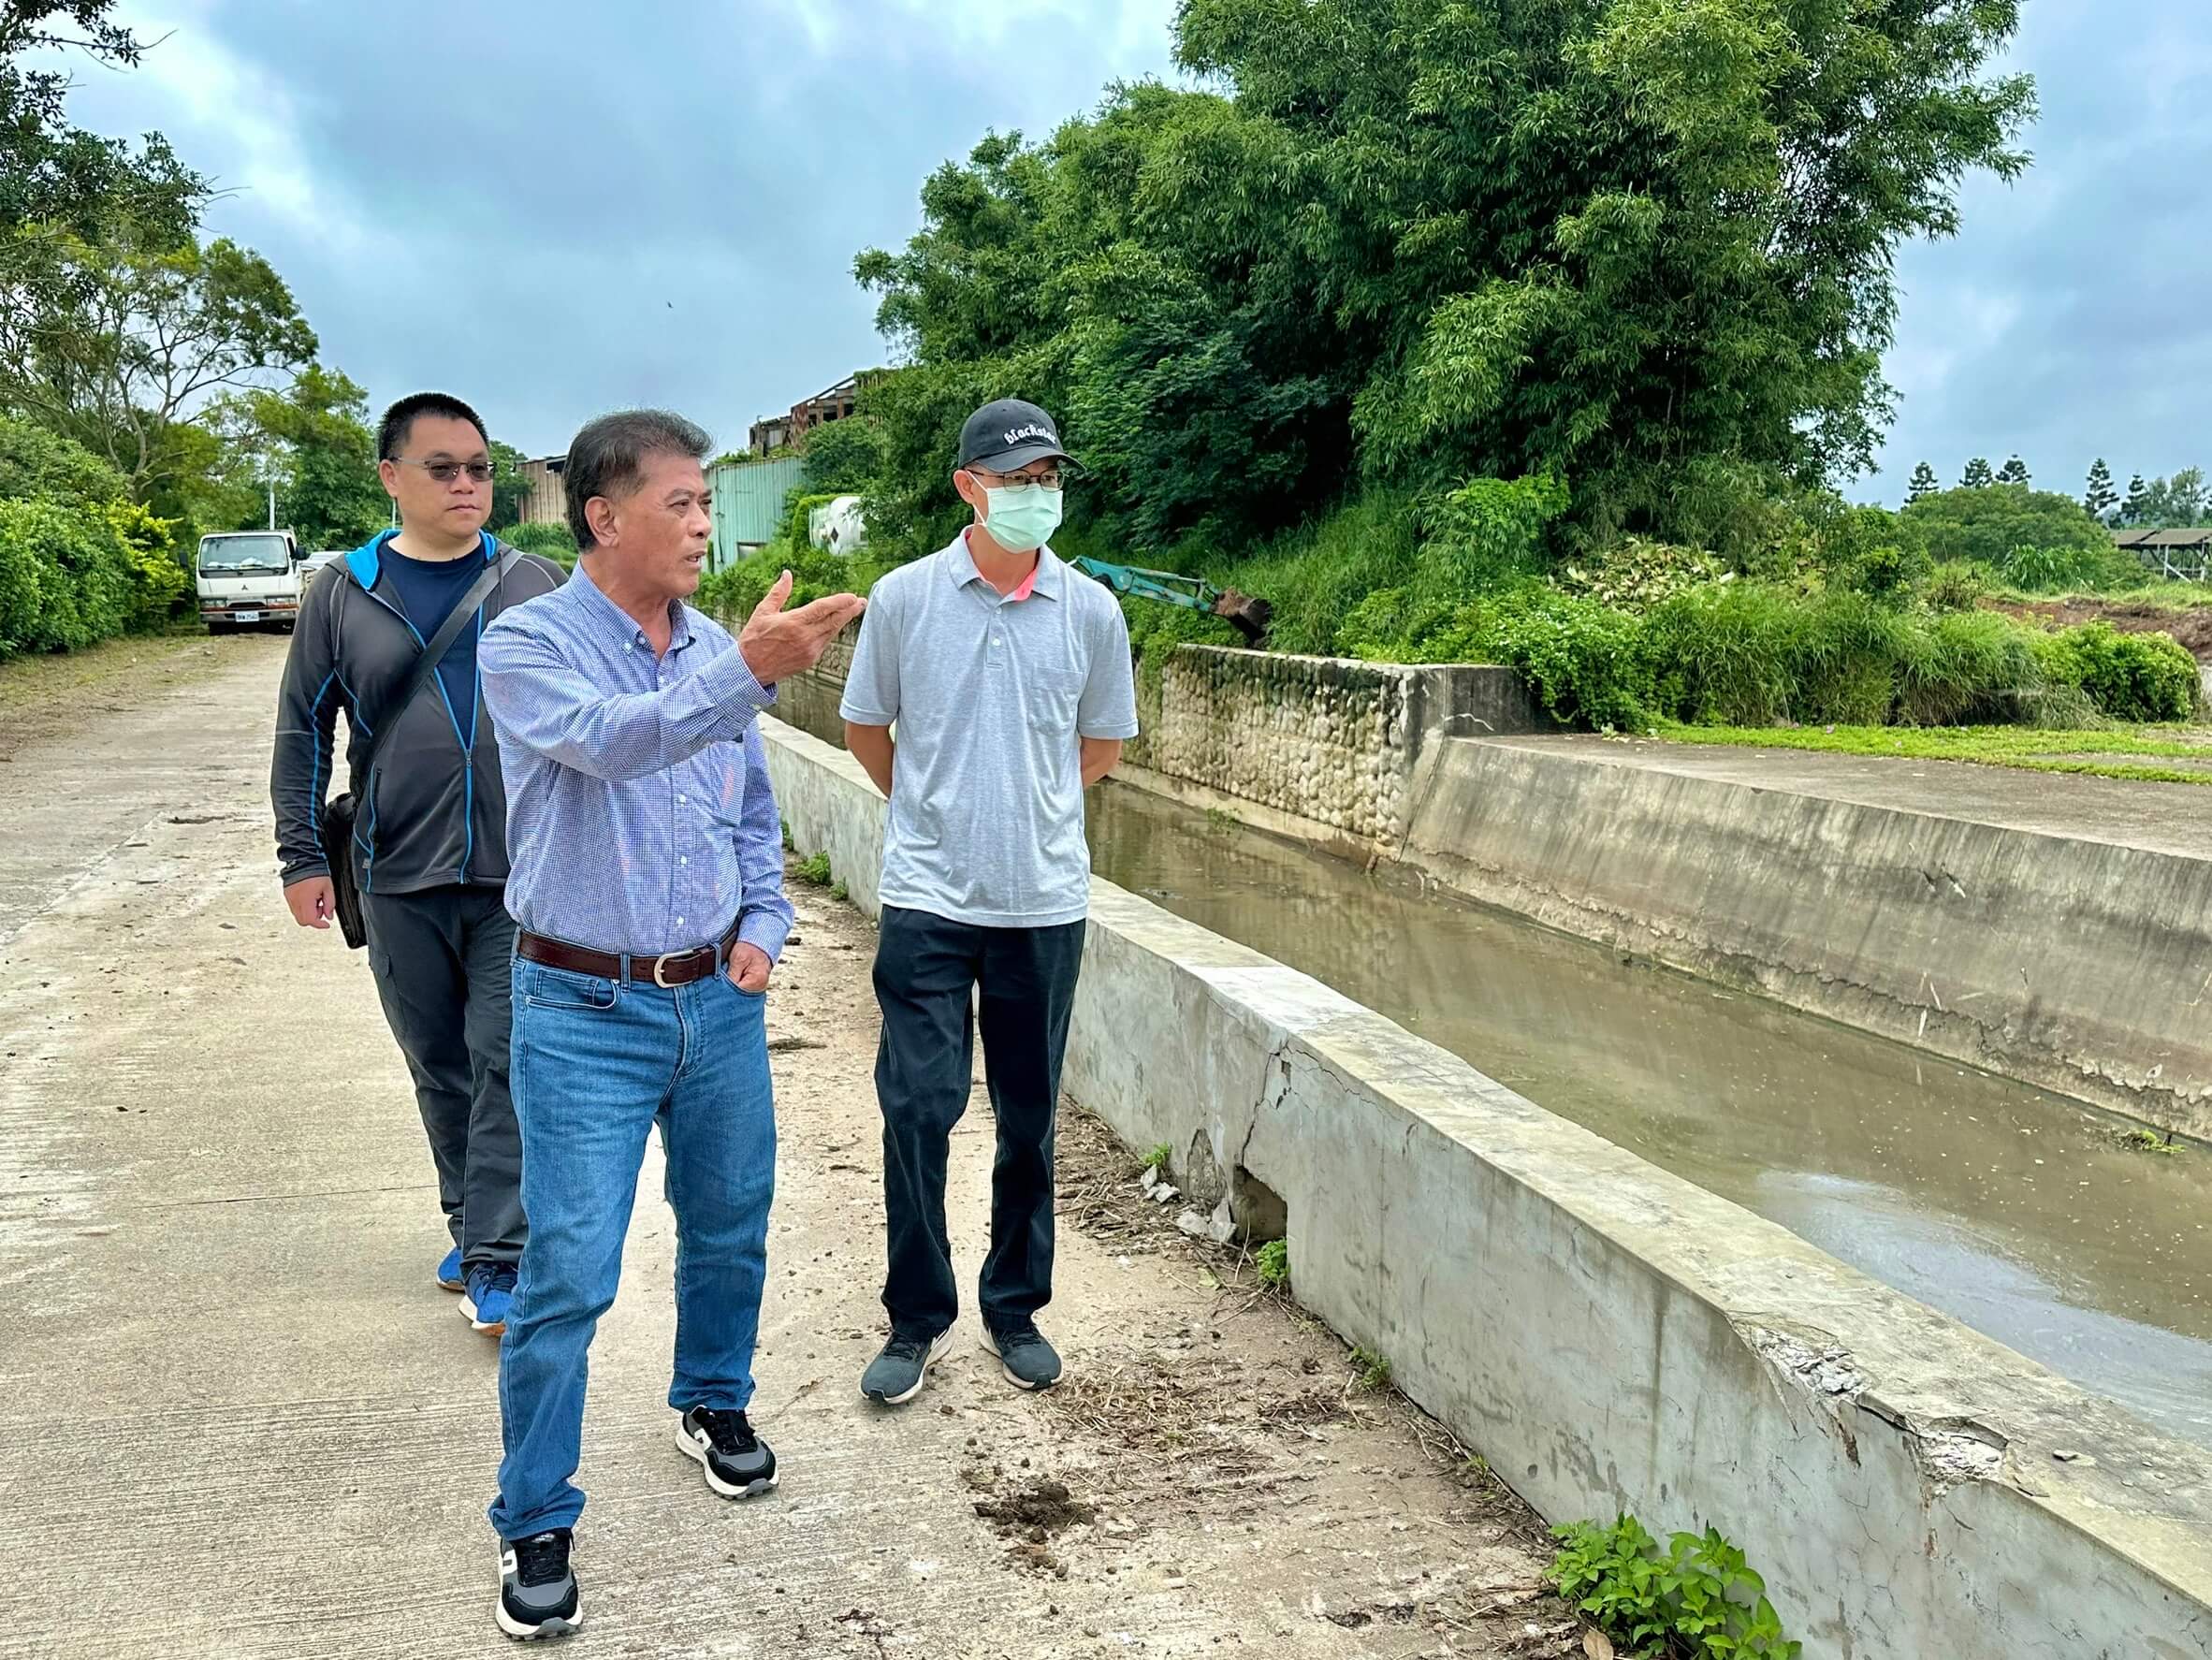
(1274, 1263)
(1697, 1598)
(1371, 1369)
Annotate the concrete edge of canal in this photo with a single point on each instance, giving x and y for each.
(2069, 962)
(1610, 1337)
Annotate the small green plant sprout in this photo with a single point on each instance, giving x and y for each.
(2144, 1141)
(815, 871)
(839, 892)
(1698, 1599)
(1220, 819)
(1275, 1264)
(1156, 1161)
(788, 845)
(1373, 1370)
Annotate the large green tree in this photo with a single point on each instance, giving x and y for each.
(510, 490)
(1643, 245)
(2099, 498)
(316, 440)
(57, 177)
(139, 338)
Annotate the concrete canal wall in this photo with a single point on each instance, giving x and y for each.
(1608, 1336)
(2079, 963)
(1329, 747)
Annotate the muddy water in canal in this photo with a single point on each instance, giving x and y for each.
(2013, 1210)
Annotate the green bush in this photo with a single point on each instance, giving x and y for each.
(843, 457)
(65, 580)
(1969, 667)
(35, 462)
(731, 593)
(1755, 653)
(1955, 585)
(1865, 549)
(542, 537)
(2069, 570)
(2146, 676)
(1638, 573)
(1697, 1598)
(799, 514)
(1587, 662)
(1985, 524)
(160, 585)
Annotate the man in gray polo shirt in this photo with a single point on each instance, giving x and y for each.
(1007, 677)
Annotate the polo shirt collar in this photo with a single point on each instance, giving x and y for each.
(960, 568)
(680, 625)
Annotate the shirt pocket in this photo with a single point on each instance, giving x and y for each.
(1054, 695)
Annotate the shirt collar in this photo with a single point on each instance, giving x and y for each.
(960, 568)
(680, 634)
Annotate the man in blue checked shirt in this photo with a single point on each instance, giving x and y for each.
(646, 888)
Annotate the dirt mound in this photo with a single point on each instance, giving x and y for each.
(1044, 1506)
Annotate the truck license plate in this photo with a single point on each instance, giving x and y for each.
(246, 617)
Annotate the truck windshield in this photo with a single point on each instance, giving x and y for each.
(244, 553)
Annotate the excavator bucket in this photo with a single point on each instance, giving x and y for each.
(1249, 615)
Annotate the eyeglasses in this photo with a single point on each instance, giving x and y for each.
(1018, 482)
(446, 471)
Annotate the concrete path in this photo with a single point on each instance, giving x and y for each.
(237, 1417)
(2159, 818)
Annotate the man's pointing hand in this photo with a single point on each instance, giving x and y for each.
(776, 642)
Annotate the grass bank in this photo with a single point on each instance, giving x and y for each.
(2143, 753)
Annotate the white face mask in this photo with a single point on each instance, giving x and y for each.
(1020, 520)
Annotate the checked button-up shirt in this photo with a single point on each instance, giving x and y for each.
(639, 814)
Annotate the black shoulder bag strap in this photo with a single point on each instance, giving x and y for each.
(338, 815)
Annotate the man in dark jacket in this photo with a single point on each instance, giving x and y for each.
(430, 845)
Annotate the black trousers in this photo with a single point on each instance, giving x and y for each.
(442, 959)
(927, 968)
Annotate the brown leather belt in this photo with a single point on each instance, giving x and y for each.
(669, 969)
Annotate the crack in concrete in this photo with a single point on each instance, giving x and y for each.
(1949, 1451)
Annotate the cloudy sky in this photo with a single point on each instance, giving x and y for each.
(560, 207)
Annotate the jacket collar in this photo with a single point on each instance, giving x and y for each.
(367, 561)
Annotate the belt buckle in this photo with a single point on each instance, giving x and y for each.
(660, 962)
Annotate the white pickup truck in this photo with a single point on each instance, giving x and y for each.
(249, 579)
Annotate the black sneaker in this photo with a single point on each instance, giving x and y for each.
(1029, 1361)
(896, 1376)
(738, 1464)
(537, 1593)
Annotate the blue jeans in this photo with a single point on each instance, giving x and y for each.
(595, 1063)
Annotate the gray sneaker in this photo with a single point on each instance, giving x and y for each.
(537, 1591)
(896, 1376)
(738, 1464)
(1027, 1358)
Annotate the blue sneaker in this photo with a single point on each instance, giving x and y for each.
(490, 1296)
(1028, 1360)
(449, 1273)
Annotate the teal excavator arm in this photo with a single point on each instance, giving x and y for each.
(1249, 616)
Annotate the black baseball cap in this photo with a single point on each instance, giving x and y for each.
(1008, 435)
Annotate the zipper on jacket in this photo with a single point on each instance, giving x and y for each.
(468, 752)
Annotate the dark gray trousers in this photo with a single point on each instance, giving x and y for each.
(926, 969)
(443, 960)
